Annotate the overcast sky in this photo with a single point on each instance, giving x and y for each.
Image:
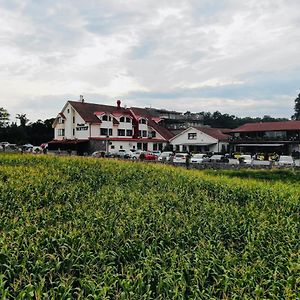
(238, 57)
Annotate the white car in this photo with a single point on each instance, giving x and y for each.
(286, 161)
(199, 158)
(180, 158)
(136, 154)
(246, 159)
(157, 153)
(165, 156)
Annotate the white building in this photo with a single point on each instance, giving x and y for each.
(200, 139)
(87, 127)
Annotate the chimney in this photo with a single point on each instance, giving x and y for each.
(119, 103)
(81, 99)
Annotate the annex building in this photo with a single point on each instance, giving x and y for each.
(267, 137)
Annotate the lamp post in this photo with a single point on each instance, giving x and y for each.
(107, 144)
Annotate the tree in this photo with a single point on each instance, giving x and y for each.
(296, 115)
(23, 119)
(4, 117)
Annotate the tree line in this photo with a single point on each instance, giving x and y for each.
(25, 132)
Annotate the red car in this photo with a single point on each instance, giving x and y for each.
(150, 156)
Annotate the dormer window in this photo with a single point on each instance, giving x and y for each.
(122, 119)
(128, 120)
(142, 121)
(106, 118)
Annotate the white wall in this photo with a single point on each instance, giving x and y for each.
(202, 139)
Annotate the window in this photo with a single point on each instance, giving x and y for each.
(105, 131)
(121, 132)
(62, 121)
(142, 121)
(153, 134)
(144, 133)
(128, 132)
(192, 136)
(73, 131)
(112, 147)
(61, 132)
(104, 118)
(140, 133)
(177, 148)
(68, 110)
(128, 120)
(122, 119)
(154, 147)
(73, 120)
(121, 147)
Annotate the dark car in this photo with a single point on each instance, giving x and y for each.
(218, 158)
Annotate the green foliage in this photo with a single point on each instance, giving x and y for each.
(103, 229)
(220, 120)
(296, 115)
(34, 133)
(4, 117)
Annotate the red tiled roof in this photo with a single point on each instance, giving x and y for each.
(268, 126)
(214, 132)
(87, 110)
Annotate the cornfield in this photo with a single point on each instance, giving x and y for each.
(78, 228)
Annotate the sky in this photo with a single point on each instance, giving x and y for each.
(237, 57)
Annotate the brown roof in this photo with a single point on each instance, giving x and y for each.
(164, 132)
(214, 132)
(87, 110)
(152, 117)
(268, 126)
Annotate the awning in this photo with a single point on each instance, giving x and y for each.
(68, 142)
(198, 144)
(259, 145)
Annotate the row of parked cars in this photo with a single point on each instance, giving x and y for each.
(28, 148)
(198, 158)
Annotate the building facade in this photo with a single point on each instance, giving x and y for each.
(201, 139)
(267, 137)
(88, 127)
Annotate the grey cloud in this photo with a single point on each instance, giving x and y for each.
(169, 49)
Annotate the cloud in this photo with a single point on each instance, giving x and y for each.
(234, 56)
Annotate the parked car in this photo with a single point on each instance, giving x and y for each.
(286, 161)
(246, 159)
(165, 156)
(156, 153)
(180, 158)
(149, 156)
(237, 155)
(98, 154)
(218, 158)
(136, 154)
(199, 158)
(122, 153)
